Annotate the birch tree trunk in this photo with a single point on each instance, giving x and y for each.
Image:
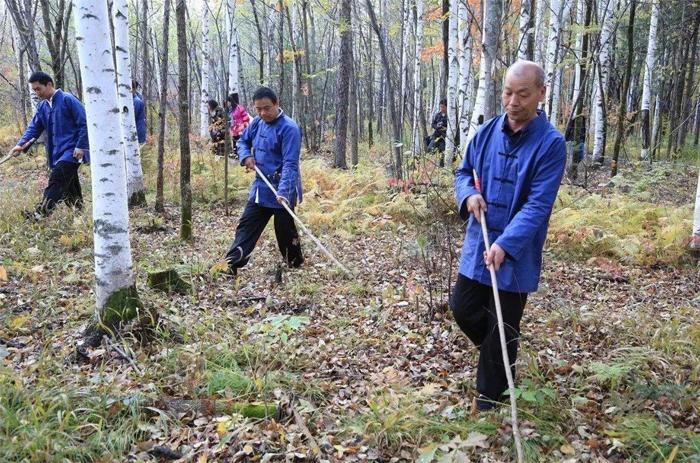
(452, 83)
(466, 86)
(525, 35)
(146, 69)
(404, 56)
(695, 239)
(483, 108)
(21, 77)
(115, 292)
(185, 188)
(204, 105)
(608, 19)
(160, 206)
(234, 85)
(539, 21)
(580, 18)
(135, 187)
(648, 76)
(417, 84)
(353, 113)
(551, 59)
(342, 89)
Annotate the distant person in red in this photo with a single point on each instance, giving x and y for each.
(239, 118)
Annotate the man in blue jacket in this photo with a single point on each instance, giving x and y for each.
(272, 142)
(519, 158)
(139, 113)
(62, 116)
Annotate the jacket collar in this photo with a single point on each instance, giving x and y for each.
(533, 126)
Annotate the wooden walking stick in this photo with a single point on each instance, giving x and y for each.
(12, 154)
(303, 227)
(501, 332)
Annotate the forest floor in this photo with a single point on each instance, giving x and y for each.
(370, 367)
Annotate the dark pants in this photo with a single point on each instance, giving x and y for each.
(218, 143)
(235, 139)
(250, 227)
(64, 186)
(475, 312)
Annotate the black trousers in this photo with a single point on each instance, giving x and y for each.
(64, 186)
(250, 227)
(475, 312)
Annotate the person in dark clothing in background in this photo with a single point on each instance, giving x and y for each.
(437, 140)
(576, 135)
(217, 128)
(62, 116)
(139, 112)
(272, 143)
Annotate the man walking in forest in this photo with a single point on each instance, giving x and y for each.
(576, 134)
(272, 143)
(139, 112)
(437, 140)
(62, 116)
(519, 158)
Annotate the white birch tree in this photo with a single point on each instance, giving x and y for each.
(466, 84)
(540, 8)
(551, 58)
(417, 86)
(695, 239)
(578, 47)
(489, 45)
(115, 291)
(648, 74)
(135, 186)
(404, 56)
(452, 82)
(204, 106)
(607, 14)
(525, 12)
(233, 71)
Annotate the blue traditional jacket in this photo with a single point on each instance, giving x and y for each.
(276, 147)
(520, 175)
(140, 117)
(66, 127)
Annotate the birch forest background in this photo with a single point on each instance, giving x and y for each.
(311, 364)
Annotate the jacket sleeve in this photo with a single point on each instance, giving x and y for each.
(542, 193)
(464, 179)
(245, 143)
(34, 129)
(291, 147)
(78, 111)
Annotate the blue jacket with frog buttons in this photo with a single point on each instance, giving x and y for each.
(520, 175)
(276, 147)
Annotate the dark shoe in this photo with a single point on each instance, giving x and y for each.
(484, 404)
(296, 263)
(32, 216)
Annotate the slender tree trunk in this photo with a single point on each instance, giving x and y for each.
(466, 85)
(162, 112)
(551, 59)
(580, 15)
(625, 88)
(452, 83)
(404, 58)
(695, 242)
(540, 9)
(115, 292)
(342, 88)
(146, 67)
(697, 122)
(353, 116)
(483, 108)
(607, 18)
(417, 84)
(233, 51)
(135, 187)
(525, 35)
(648, 76)
(21, 78)
(396, 145)
(204, 91)
(370, 92)
(687, 100)
(185, 188)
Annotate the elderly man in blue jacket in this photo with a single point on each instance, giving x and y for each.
(519, 158)
(62, 116)
(272, 142)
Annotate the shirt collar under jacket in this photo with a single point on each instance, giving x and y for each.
(532, 126)
(50, 100)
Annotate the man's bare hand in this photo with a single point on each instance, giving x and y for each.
(249, 163)
(494, 256)
(475, 204)
(78, 154)
(282, 200)
(16, 150)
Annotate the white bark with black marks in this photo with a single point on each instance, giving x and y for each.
(648, 75)
(452, 83)
(417, 85)
(233, 71)
(204, 105)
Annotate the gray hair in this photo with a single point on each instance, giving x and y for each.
(522, 67)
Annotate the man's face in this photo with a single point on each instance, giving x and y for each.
(43, 91)
(266, 109)
(443, 108)
(521, 95)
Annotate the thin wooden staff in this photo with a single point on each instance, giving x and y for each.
(501, 332)
(301, 224)
(12, 154)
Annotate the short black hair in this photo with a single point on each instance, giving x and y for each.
(443, 101)
(233, 99)
(265, 92)
(212, 104)
(135, 84)
(41, 77)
